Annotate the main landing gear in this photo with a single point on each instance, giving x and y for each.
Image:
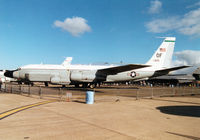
(87, 85)
(46, 84)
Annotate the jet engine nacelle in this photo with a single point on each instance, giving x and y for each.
(55, 80)
(58, 80)
(62, 78)
(83, 76)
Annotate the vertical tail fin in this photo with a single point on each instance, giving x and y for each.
(163, 56)
(67, 61)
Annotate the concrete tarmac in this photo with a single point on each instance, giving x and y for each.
(164, 118)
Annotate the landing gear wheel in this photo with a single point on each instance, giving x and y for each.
(85, 85)
(77, 85)
(92, 85)
(63, 86)
(46, 84)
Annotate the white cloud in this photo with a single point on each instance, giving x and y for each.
(162, 25)
(194, 5)
(189, 24)
(75, 25)
(187, 57)
(155, 7)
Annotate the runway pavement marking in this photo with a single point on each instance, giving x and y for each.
(13, 111)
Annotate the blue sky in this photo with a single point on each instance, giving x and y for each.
(96, 31)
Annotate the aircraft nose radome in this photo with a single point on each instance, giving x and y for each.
(9, 73)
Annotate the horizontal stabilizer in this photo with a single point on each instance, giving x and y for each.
(172, 69)
(176, 75)
(123, 68)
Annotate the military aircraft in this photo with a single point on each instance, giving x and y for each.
(90, 75)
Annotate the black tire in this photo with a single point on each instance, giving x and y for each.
(85, 85)
(63, 86)
(46, 84)
(76, 85)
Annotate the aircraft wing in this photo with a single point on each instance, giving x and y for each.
(171, 69)
(118, 69)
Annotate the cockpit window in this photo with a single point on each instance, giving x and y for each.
(19, 69)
